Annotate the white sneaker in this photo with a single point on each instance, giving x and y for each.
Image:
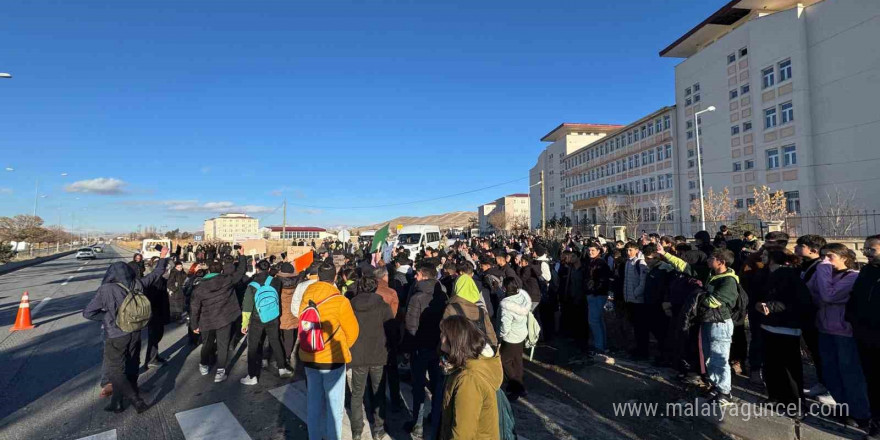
(220, 376)
(826, 399)
(204, 369)
(248, 380)
(816, 390)
(265, 363)
(284, 373)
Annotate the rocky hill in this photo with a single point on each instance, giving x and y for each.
(458, 219)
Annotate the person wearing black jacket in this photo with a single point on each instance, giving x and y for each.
(369, 354)
(214, 308)
(256, 330)
(122, 350)
(807, 248)
(176, 283)
(529, 275)
(157, 293)
(137, 265)
(863, 312)
(598, 285)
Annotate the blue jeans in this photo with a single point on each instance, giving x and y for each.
(596, 319)
(842, 373)
(326, 399)
(717, 337)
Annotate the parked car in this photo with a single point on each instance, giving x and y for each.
(86, 254)
(98, 248)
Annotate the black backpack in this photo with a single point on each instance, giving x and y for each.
(480, 322)
(740, 309)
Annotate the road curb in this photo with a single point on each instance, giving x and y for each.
(12, 267)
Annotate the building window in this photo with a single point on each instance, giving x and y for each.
(734, 94)
(658, 126)
(660, 153)
(696, 97)
(687, 91)
(738, 203)
(772, 158)
(653, 183)
(644, 132)
(793, 202)
(785, 70)
(769, 118)
(650, 130)
(734, 130)
(750, 164)
(769, 77)
(687, 102)
(691, 153)
(747, 126)
(731, 58)
(669, 181)
(689, 124)
(693, 197)
(690, 134)
(636, 135)
(691, 163)
(629, 138)
(669, 151)
(737, 166)
(750, 202)
(744, 89)
(789, 156)
(666, 122)
(696, 87)
(651, 156)
(743, 52)
(787, 111)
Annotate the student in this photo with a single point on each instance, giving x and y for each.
(863, 312)
(513, 331)
(807, 248)
(256, 330)
(289, 322)
(122, 350)
(597, 290)
(325, 369)
(636, 272)
(470, 406)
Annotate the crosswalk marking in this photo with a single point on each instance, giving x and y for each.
(106, 435)
(212, 422)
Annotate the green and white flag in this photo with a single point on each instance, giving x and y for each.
(379, 239)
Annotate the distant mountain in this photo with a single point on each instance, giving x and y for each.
(457, 219)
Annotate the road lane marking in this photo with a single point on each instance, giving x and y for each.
(79, 269)
(68, 280)
(39, 306)
(106, 435)
(212, 422)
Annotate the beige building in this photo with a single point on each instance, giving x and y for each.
(633, 168)
(564, 139)
(232, 226)
(795, 88)
(515, 209)
(483, 213)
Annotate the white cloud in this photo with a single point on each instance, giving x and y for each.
(5, 191)
(286, 190)
(182, 206)
(101, 185)
(311, 211)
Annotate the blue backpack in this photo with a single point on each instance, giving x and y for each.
(266, 300)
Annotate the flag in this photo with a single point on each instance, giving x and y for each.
(379, 238)
(302, 262)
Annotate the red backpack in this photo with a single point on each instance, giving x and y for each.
(311, 337)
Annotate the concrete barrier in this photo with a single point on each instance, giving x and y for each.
(12, 267)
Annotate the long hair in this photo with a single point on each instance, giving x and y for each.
(840, 249)
(465, 340)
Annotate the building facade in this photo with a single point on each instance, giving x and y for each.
(628, 177)
(795, 89)
(307, 233)
(231, 226)
(514, 207)
(483, 213)
(564, 139)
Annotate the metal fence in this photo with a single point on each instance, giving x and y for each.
(853, 224)
(687, 228)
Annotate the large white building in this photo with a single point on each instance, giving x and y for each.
(795, 85)
(231, 227)
(563, 139)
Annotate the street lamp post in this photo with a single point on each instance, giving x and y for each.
(700, 164)
(5, 75)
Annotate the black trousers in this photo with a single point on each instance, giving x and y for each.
(648, 319)
(122, 358)
(756, 344)
(783, 373)
(288, 340)
(359, 378)
(216, 340)
(869, 354)
(547, 311)
(392, 376)
(739, 350)
(811, 338)
(257, 332)
(512, 363)
(155, 332)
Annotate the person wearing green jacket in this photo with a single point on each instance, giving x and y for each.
(715, 313)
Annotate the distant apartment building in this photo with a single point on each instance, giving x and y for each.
(564, 139)
(232, 226)
(634, 166)
(795, 88)
(515, 209)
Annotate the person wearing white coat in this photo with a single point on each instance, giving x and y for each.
(513, 331)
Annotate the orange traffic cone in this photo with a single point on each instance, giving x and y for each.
(23, 319)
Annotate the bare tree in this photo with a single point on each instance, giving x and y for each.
(837, 213)
(520, 223)
(769, 205)
(498, 220)
(718, 207)
(606, 208)
(631, 214)
(661, 203)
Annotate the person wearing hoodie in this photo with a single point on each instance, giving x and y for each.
(530, 275)
(513, 330)
(402, 278)
(469, 302)
(137, 265)
(808, 248)
(423, 315)
(369, 354)
(289, 322)
(122, 350)
(215, 307)
(842, 372)
(863, 312)
(325, 369)
(636, 271)
(470, 404)
(257, 330)
(177, 299)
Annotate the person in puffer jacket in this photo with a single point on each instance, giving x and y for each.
(635, 272)
(830, 289)
(513, 330)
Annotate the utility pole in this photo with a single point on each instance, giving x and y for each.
(284, 222)
(543, 215)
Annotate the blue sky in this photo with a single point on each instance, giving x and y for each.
(188, 108)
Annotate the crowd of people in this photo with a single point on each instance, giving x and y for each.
(460, 319)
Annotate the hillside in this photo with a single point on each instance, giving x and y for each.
(457, 219)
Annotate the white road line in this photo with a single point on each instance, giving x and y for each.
(79, 269)
(106, 435)
(212, 422)
(68, 280)
(39, 306)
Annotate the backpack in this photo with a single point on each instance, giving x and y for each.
(739, 310)
(266, 300)
(135, 311)
(534, 331)
(311, 337)
(480, 322)
(506, 420)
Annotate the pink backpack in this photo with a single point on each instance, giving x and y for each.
(311, 337)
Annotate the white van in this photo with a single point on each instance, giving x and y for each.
(148, 248)
(415, 238)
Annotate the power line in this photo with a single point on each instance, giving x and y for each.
(413, 202)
